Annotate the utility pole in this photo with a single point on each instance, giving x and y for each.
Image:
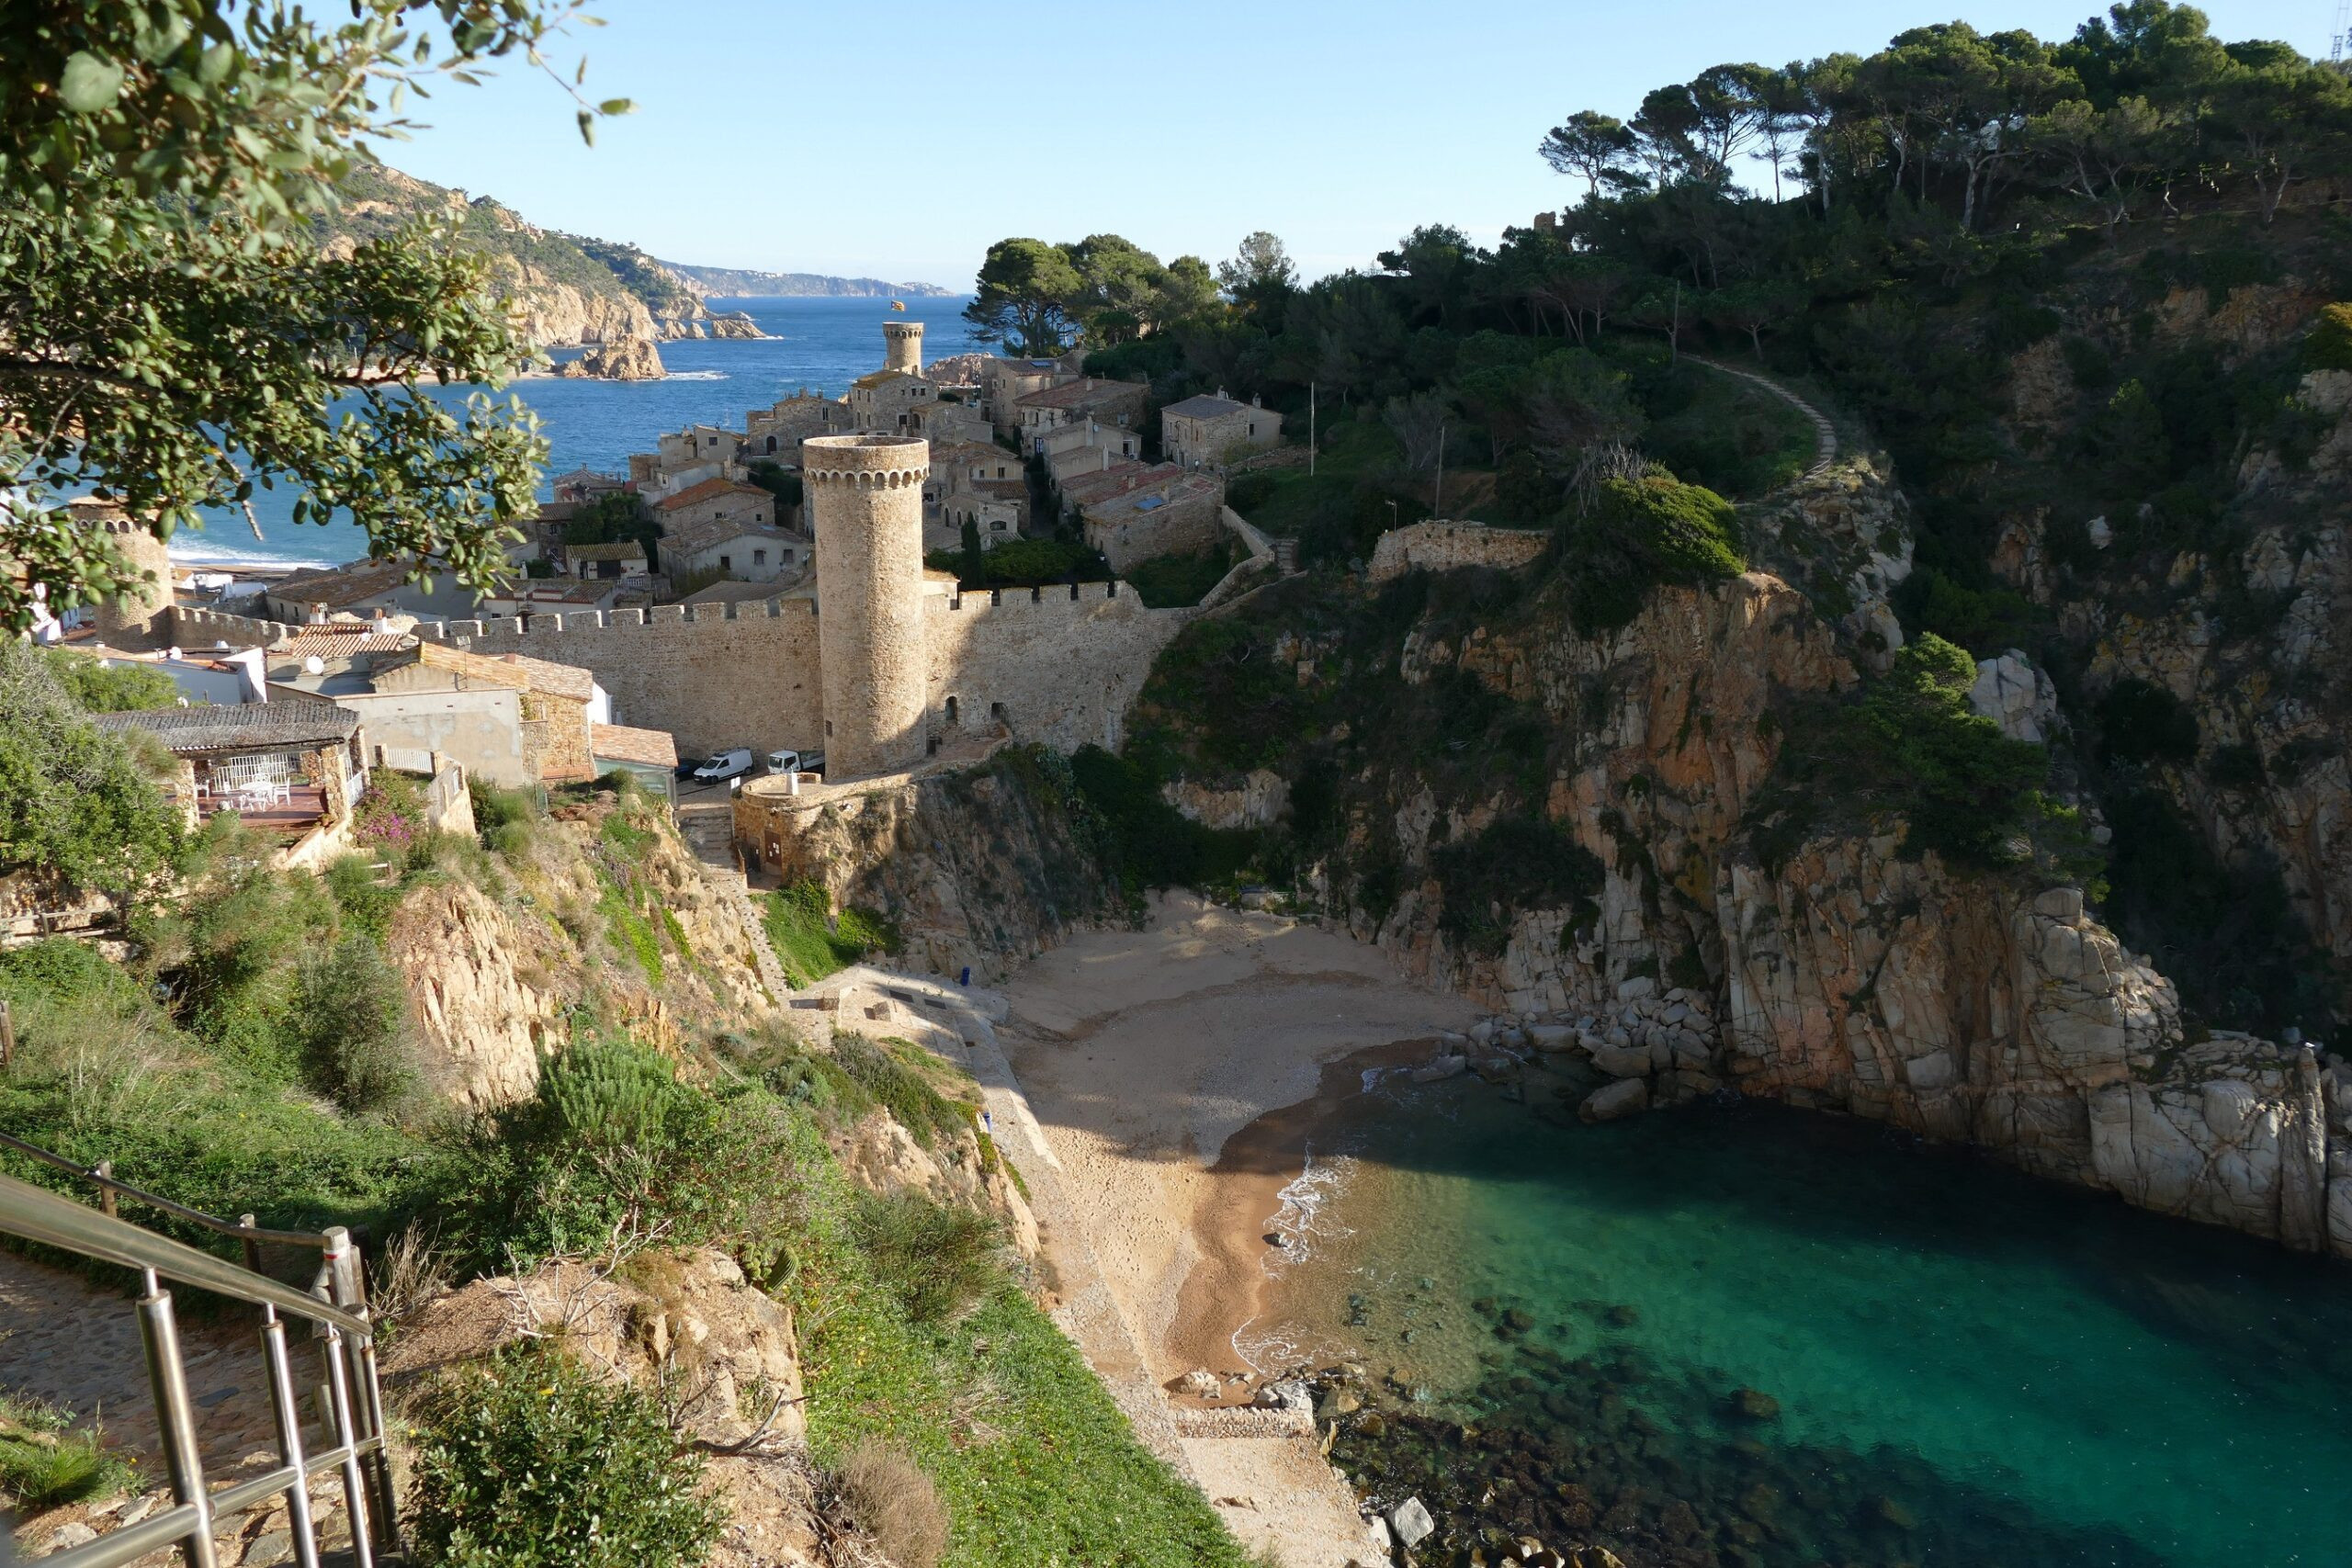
(1310, 430)
(2342, 38)
(1436, 506)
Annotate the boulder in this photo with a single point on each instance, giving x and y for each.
(1411, 1522)
(1201, 1383)
(1552, 1037)
(1637, 988)
(1622, 1061)
(1440, 1069)
(1622, 1098)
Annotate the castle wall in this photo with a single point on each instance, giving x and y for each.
(713, 675)
(1449, 546)
(1050, 666)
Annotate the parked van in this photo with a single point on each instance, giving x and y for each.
(725, 765)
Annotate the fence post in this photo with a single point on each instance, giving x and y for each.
(104, 1171)
(175, 1418)
(7, 1035)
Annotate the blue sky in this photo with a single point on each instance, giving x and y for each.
(897, 142)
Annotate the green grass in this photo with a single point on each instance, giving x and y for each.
(44, 1464)
(1167, 582)
(1036, 1466)
(811, 943)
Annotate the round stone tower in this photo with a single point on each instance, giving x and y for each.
(141, 616)
(865, 496)
(902, 347)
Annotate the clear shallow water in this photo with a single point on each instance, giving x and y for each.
(1970, 1367)
(820, 343)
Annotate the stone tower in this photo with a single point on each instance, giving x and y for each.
(140, 618)
(902, 347)
(865, 496)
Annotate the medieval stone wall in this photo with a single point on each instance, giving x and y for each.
(1448, 547)
(1058, 665)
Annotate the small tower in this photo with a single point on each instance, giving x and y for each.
(902, 347)
(865, 495)
(141, 616)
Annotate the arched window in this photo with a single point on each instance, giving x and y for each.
(951, 712)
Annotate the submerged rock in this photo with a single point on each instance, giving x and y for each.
(1411, 1522)
(1622, 1098)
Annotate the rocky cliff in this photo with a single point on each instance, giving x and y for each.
(600, 912)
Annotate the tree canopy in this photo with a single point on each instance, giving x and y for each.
(1038, 298)
(171, 337)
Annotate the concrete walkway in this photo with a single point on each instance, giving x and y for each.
(1825, 435)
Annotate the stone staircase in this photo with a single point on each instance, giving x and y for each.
(1825, 435)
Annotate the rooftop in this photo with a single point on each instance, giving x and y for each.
(337, 586)
(1151, 497)
(341, 639)
(1206, 405)
(511, 669)
(620, 743)
(708, 489)
(619, 549)
(883, 378)
(729, 591)
(687, 538)
(239, 727)
(1084, 393)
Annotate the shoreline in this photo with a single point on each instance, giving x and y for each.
(1172, 1072)
(1229, 1288)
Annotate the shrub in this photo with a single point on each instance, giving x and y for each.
(891, 1499)
(351, 1007)
(366, 899)
(392, 813)
(891, 1080)
(2140, 721)
(1168, 581)
(1518, 863)
(495, 807)
(531, 1463)
(1643, 532)
(45, 1464)
(613, 1152)
(2329, 347)
(120, 688)
(935, 1261)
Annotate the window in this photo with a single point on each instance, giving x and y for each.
(711, 440)
(726, 564)
(759, 557)
(951, 712)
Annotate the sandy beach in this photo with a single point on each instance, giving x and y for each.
(1144, 1054)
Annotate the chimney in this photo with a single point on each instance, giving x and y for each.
(318, 614)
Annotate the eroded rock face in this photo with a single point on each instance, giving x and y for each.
(1848, 978)
(977, 869)
(1261, 800)
(482, 1024)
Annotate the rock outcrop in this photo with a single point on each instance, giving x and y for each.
(1849, 976)
(622, 359)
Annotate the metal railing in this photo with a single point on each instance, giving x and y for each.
(350, 1400)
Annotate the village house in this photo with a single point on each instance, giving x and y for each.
(584, 484)
(945, 424)
(778, 430)
(1216, 429)
(880, 402)
(1176, 512)
(416, 697)
(364, 587)
(1086, 399)
(649, 756)
(714, 500)
(293, 769)
(1007, 381)
(621, 560)
(562, 597)
(723, 548)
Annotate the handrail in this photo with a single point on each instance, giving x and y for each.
(38, 1214)
(351, 1403)
(105, 1182)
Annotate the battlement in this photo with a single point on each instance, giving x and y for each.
(196, 629)
(1085, 598)
(864, 462)
(551, 625)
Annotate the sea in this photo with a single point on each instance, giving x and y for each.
(1805, 1340)
(824, 343)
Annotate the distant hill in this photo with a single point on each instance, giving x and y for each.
(728, 282)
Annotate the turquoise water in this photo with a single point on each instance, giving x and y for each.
(819, 343)
(1969, 1366)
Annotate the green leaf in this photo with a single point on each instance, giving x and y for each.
(617, 106)
(89, 84)
(587, 128)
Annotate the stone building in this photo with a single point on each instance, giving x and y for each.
(744, 552)
(1007, 381)
(1084, 400)
(882, 402)
(778, 431)
(1180, 514)
(945, 423)
(1216, 429)
(867, 497)
(138, 619)
(558, 703)
(714, 500)
(902, 347)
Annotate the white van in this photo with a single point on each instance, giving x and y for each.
(725, 765)
(796, 761)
